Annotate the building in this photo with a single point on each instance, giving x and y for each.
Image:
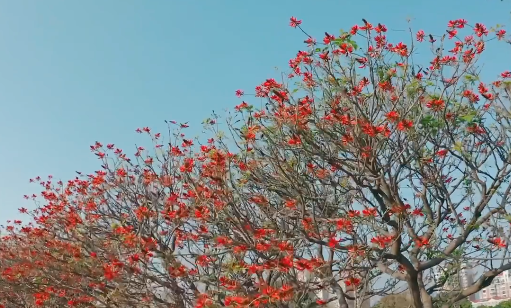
(466, 276)
(488, 303)
(499, 288)
(467, 279)
(454, 279)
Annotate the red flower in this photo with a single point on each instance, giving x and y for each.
(404, 124)
(421, 241)
(480, 29)
(353, 213)
(294, 22)
(417, 212)
(333, 242)
(500, 243)
(392, 116)
(452, 33)
(362, 61)
(369, 212)
(239, 93)
(303, 264)
(488, 96)
(241, 106)
(328, 38)
(352, 281)
(500, 34)
(482, 88)
(400, 49)
(235, 301)
(324, 56)
(460, 23)
(367, 27)
(222, 241)
(380, 28)
(187, 165)
(354, 29)
(420, 35)
(442, 153)
(436, 104)
(291, 203)
(381, 240)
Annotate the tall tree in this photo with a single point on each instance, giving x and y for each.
(363, 171)
(392, 166)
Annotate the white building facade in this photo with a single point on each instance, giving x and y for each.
(498, 291)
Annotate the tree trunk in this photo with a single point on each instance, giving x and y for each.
(427, 301)
(415, 291)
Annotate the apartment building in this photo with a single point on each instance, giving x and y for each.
(455, 281)
(498, 291)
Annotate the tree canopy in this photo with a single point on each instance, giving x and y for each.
(365, 168)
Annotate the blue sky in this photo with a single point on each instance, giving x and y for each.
(73, 72)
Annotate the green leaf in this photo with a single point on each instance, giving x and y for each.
(380, 73)
(458, 146)
(471, 78)
(469, 116)
(427, 120)
(354, 44)
(339, 41)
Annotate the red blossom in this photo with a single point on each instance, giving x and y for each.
(239, 93)
(480, 29)
(500, 34)
(420, 35)
(404, 125)
(294, 22)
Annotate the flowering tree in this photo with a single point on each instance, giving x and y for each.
(367, 173)
(392, 167)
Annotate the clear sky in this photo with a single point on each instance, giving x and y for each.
(73, 72)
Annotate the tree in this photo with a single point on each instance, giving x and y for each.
(419, 155)
(506, 304)
(369, 173)
(440, 300)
